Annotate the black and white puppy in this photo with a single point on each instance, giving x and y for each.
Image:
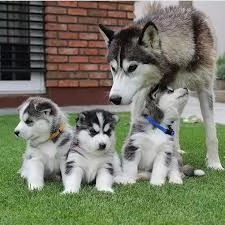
(91, 155)
(44, 126)
(150, 145)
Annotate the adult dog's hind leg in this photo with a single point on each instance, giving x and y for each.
(206, 98)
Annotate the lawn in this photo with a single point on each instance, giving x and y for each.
(198, 201)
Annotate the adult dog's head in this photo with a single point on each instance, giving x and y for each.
(39, 118)
(134, 55)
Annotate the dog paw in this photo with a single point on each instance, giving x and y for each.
(157, 182)
(69, 191)
(181, 151)
(175, 180)
(124, 180)
(215, 166)
(105, 189)
(35, 186)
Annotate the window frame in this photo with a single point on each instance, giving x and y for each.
(36, 84)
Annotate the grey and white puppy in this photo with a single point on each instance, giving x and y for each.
(44, 126)
(150, 145)
(92, 156)
(175, 46)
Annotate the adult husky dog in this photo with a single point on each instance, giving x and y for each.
(150, 145)
(48, 136)
(175, 46)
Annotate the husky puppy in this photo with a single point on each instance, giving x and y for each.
(91, 155)
(150, 145)
(175, 46)
(48, 136)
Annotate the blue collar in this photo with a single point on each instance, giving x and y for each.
(168, 130)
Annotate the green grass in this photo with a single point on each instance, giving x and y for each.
(198, 201)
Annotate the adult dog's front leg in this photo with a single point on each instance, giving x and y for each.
(206, 98)
(35, 174)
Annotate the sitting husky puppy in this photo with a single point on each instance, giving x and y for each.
(91, 155)
(150, 146)
(48, 136)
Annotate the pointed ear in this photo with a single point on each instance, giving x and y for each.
(81, 117)
(153, 92)
(107, 34)
(149, 36)
(116, 118)
(46, 107)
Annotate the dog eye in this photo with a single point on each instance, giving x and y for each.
(93, 132)
(169, 91)
(108, 132)
(132, 68)
(28, 121)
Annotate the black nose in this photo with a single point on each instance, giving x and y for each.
(186, 89)
(115, 99)
(16, 132)
(102, 146)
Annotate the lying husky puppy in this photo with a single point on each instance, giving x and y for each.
(91, 155)
(48, 136)
(150, 146)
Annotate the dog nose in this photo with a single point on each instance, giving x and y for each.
(102, 146)
(115, 99)
(16, 132)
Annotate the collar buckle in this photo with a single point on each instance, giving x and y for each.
(168, 130)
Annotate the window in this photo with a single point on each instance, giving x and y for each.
(21, 47)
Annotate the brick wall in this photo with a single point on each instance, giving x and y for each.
(75, 50)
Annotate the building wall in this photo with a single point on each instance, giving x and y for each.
(77, 71)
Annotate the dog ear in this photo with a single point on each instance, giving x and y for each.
(107, 34)
(153, 92)
(150, 36)
(81, 117)
(46, 107)
(116, 118)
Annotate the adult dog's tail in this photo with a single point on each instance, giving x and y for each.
(144, 8)
(191, 171)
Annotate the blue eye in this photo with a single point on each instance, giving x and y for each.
(132, 68)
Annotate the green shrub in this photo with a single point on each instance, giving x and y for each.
(221, 71)
(221, 60)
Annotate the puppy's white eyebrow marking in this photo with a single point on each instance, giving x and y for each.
(106, 128)
(100, 119)
(96, 127)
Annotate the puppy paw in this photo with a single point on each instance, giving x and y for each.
(69, 191)
(124, 180)
(157, 182)
(105, 189)
(35, 186)
(175, 180)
